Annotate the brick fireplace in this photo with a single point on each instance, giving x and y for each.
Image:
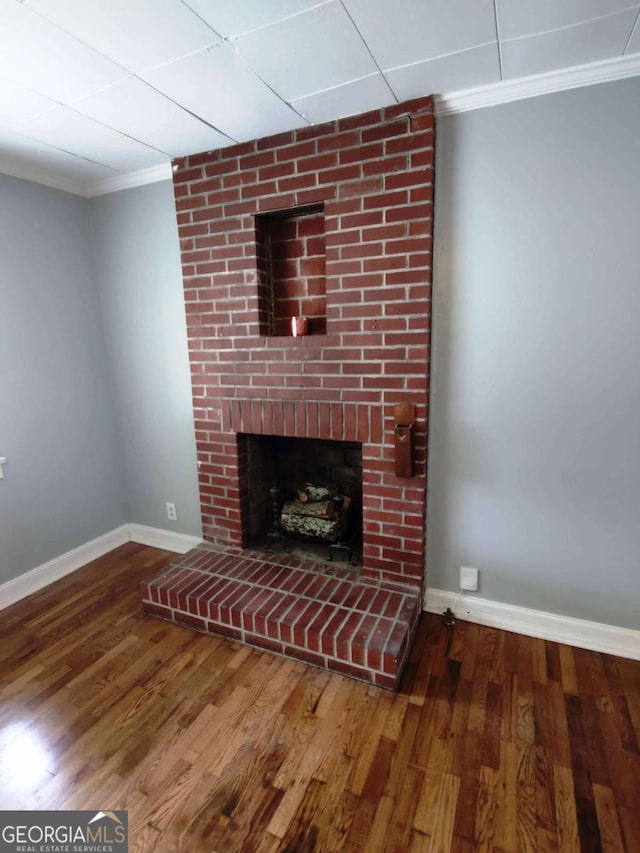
(332, 223)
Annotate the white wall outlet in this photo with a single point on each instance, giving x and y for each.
(468, 578)
(172, 515)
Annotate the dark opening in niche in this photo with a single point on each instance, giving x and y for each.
(290, 250)
(308, 474)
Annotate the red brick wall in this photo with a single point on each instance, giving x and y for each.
(374, 175)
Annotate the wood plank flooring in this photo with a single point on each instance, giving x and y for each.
(495, 742)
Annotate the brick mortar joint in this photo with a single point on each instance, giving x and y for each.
(367, 583)
(307, 567)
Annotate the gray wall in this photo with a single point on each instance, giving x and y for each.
(535, 417)
(62, 483)
(534, 462)
(136, 250)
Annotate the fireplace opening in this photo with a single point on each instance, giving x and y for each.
(308, 492)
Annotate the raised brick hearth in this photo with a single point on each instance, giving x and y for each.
(291, 606)
(334, 223)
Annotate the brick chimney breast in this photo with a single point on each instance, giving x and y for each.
(333, 224)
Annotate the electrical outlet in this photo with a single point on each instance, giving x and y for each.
(172, 515)
(468, 578)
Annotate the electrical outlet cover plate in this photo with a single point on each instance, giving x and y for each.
(468, 578)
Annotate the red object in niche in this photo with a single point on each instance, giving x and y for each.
(299, 326)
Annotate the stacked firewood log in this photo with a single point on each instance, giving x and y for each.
(312, 514)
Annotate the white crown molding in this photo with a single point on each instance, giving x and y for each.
(36, 579)
(42, 177)
(596, 636)
(125, 182)
(538, 84)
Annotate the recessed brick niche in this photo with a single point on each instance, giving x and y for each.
(290, 265)
(332, 223)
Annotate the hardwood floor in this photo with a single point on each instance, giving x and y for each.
(495, 742)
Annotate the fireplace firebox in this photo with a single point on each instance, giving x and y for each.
(318, 492)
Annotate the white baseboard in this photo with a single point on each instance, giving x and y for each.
(53, 570)
(596, 636)
(533, 623)
(180, 543)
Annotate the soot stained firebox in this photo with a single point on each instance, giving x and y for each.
(304, 490)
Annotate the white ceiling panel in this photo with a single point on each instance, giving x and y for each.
(132, 83)
(38, 55)
(68, 130)
(234, 17)
(136, 34)
(18, 104)
(407, 31)
(589, 42)
(359, 96)
(27, 154)
(219, 87)
(323, 49)
(478, 66)
(134, 108)
(520, 18)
